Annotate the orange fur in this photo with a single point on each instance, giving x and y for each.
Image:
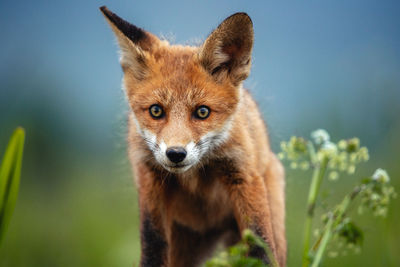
(236, 182)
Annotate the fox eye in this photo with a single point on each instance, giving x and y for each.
(202, 112)
(156, 111)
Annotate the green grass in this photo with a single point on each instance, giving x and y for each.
(10, 173)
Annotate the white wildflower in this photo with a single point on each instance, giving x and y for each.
(381, 175)
(320, 136)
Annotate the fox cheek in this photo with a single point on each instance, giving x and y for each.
(193, 152)
(214, 139)
(210, 141)
(150, 139)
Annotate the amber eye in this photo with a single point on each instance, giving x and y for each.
(156, 111)
(202, 112)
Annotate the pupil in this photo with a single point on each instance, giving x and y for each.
(156, 111)
(203, 112)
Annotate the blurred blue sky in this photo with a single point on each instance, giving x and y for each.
(314, 61)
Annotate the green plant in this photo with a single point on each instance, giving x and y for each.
(10, 172)
(326, 159)
(334, 159)
(237, 256)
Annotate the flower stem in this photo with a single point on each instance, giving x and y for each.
(318, 175)
(334, 220)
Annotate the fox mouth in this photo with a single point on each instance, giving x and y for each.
(177, 168)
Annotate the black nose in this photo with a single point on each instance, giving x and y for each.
(176, 154)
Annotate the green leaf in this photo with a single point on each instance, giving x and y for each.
(10, 172)
(351, 233)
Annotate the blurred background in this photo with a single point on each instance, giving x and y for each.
(317, 64)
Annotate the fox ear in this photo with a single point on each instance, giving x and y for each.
(226, 53)
(134, 43)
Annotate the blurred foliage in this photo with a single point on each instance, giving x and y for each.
(238, 255)
(321, 154)
(10, 173)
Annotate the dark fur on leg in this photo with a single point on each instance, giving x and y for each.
(153, 244)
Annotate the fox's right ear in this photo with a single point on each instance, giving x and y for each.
(134, 42)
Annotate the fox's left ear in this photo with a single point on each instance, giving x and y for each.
(226, 53)
(135, 44)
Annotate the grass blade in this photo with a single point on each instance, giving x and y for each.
(10, 172)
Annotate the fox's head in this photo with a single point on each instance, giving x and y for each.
(183, 98)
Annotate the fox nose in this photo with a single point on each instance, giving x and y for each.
(176, 154)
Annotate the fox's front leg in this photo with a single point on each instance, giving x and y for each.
(153, 243)
(248, 196)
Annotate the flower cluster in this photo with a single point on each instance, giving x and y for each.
(376, 193)
(341, 157)
(320, 136)
(296, 150)
(348, 155)
(328, 158)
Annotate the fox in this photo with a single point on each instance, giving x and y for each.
(198, 145)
